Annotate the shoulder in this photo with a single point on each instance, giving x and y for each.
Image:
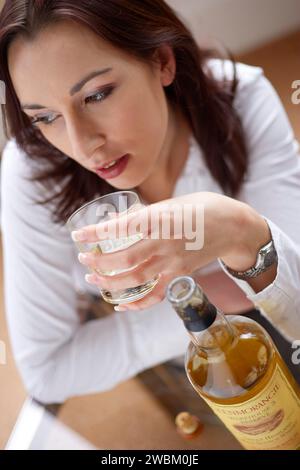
(257, 103)
(20, 194)
(247, 75)
(10, 151)
(252, 84)
(15, 164)
(17, 170)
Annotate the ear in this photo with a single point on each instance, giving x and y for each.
(166, 64)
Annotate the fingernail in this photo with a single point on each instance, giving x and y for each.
(89, 278)
(83, 257)
(119, 308)
(78, 236)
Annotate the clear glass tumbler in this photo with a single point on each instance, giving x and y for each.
(100, 210)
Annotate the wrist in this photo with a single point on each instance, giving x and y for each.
(250, 233)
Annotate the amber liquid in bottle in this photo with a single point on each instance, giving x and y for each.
(234, 366)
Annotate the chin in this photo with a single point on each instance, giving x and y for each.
(131, 182)
(123, 187)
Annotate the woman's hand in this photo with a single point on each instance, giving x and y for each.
(179, 249)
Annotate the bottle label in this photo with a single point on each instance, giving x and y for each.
(270, 420)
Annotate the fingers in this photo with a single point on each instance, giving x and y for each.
(146, 271)
(154, 297)
(119, 260)
(119, 226)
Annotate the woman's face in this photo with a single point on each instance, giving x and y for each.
(94, 102)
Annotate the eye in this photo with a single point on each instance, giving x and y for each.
(99, 96)
(47, 119)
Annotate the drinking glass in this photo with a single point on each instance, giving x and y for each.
(100, 210)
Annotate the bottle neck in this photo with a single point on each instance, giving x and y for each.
(207, 326)
(218, 336)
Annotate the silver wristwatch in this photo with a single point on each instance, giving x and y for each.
(266, 257)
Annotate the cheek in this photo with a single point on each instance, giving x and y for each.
(56, 137)
(142, 122)
(59, 138)
(51, 137)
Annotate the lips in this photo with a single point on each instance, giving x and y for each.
(114, 170)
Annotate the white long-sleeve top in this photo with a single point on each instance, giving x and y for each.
(58, 356)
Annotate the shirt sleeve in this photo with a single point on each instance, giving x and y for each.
(272, 187)
(57, 356)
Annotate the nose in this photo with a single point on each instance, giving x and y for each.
(84, 137)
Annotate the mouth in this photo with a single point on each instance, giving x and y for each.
(114, 168)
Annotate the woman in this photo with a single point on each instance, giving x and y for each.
(89, 82)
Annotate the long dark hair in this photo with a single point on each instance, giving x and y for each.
(138, 27)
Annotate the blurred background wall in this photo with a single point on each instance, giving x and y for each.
(241, 25)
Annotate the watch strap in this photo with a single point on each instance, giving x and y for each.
(266, 257)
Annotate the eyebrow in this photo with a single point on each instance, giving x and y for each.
(75, 88)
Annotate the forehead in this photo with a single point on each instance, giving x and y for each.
(61, 52)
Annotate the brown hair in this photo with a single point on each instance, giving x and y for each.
(138, 27)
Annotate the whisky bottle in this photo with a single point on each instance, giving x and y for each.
(234, 366)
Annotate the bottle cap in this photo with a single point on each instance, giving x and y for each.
(188, 425)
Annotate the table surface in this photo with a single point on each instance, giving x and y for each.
(137, 414)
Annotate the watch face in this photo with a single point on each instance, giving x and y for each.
(270, 258)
